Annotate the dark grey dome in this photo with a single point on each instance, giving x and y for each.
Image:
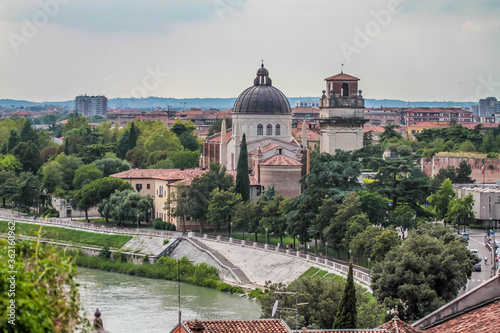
(262, 97)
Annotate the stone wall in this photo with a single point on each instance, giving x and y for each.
(285, 179)
(491, 173)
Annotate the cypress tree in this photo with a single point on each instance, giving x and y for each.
(11, 142)
(66, 147)
(132, 137)
(28, 133)
(347, 315)
(122, 146)
(242, 178)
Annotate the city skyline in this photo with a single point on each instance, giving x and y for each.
(54, 50)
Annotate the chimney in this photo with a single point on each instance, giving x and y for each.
(197, 327)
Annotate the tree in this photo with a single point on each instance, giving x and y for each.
(28, 133)
(347, 314)
(85, 174)
(242, 178)
(188, 141)
(25, 190)
(440, 200)
(273, 217)
(29, 155)
(11, 142)
(375, 207)
(460, 211)
(221, 207)
(362, 245)
(110, 166)
(335, 174)
(246, 217)
(404, 218)
(426, 271)
(6, 177)
(137, 156)
(463, 173)
(126, 205)
(132, 137)
(323, 297)
(185, 159)
(10, 163)
(200, 189)
(96, 191)
(178, 199)
(216, 126)
(162, 139)
(47, 298)
(385, 242)
(402, 182)
(163, 164)
(122, 148)
(44, 140)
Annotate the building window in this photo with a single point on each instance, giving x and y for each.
(278, 130)
(138, 187)
(148, 186)
(161, 191)
(269, 129)
(260, 129)
(345, 89)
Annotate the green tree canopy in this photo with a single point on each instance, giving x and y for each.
(126, 205)
(221, 207)
(29, 155)
(426, 271)
(439, 201)
(86, 174)
(110, 165)
(460, 211)
(28, 133)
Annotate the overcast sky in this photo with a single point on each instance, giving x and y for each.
(434, 50)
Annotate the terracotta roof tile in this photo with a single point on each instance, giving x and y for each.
(357, 330)
(241, 326)
(280, 160)
(485, 319)
(396, 325)
(342, 77)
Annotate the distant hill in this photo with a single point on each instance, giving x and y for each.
(220, 103)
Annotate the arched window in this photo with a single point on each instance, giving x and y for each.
(278, 130)
(269, 129)
(345, 89)
(260, 129)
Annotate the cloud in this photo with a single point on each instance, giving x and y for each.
(111, 16)
(472, 27)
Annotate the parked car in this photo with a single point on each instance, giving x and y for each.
(474, 251)
(465, 236)
(477, 267)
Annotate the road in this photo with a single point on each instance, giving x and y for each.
(476, 241)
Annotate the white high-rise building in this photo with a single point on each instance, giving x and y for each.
(90, 106)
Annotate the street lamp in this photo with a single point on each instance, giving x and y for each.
(326, 245)
(230, 229)
(137, 222)
(349, 257)
(266, 235)
(369, 259)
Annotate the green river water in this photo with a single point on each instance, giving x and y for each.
(137, 304)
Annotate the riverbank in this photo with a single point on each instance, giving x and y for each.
(164, 268)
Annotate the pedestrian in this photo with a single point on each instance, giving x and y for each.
(287, 247)
(486, 260)
(278, 245)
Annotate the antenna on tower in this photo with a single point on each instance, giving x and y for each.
(341, 68)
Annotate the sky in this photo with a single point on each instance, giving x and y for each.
(413, 50)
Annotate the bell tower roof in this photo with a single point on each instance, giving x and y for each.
(342, 77)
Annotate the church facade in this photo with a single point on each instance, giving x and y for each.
(275, 157)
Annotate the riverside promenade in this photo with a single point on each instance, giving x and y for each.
(258, 262)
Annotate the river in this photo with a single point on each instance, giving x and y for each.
(136, 304)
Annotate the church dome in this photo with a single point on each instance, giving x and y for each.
(262, 97)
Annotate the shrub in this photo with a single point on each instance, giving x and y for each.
(105, 253)
(158, 224)
(492, 155)
(478, 226)
(256, 293)
(145, 260)
(119, 257)
(166, 241)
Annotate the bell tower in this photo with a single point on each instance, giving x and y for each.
(342, 115)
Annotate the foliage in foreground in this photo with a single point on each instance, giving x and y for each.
(202, 275)
(427, 270)
(46, 295)
(68, 235)
(322, 296)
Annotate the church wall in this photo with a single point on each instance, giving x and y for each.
(284, 178)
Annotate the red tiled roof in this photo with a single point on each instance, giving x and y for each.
(485, 125)
(373, 128)
(305, 110)
(429, 124)
(241, 326)
(176, 176)
(280, 160)
(216, 137)
(342, 77)
(398, 326)
(358, 330)
(485, 319)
